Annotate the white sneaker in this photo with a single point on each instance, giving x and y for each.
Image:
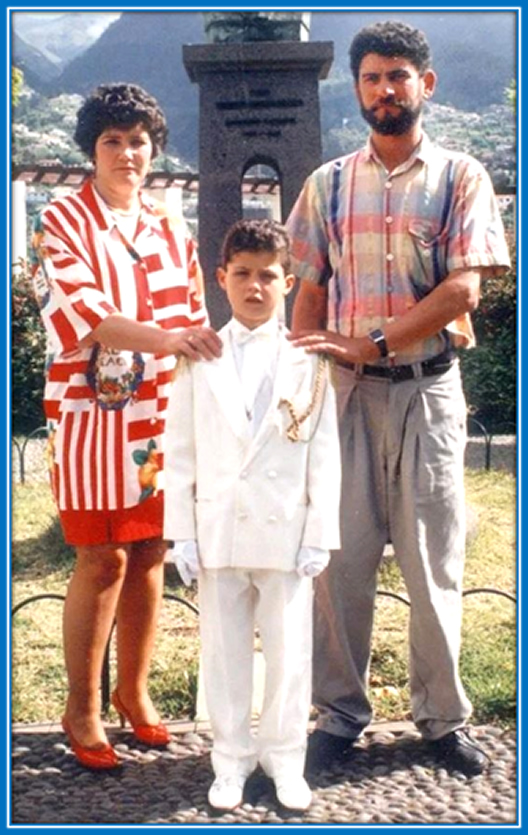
(293, 792)
(226, 791)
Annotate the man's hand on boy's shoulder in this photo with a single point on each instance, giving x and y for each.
(343, 348)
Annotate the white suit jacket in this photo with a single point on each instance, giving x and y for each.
(251, 502)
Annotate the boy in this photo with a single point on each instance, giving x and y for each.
(252, 503)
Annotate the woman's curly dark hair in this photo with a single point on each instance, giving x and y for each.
(119, 105)
(391, 39)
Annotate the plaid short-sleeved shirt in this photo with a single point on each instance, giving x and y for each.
(380, 241)
(106, 408)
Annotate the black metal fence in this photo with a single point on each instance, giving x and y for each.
(105, 674)
(21, 448)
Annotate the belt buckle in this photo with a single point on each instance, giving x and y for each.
(399, 373)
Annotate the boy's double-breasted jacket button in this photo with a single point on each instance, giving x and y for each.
(272, 474)
(273, 518)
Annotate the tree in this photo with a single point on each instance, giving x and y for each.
(510, 94)
(28, 349)
(489, 371)
(17, 80)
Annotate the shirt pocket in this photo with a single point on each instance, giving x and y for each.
(428, 251)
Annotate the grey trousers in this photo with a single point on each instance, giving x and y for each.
(403, 466)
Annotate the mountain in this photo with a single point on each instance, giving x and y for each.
(145, 48)
(38, 70)
(473, 53)
(60, 37)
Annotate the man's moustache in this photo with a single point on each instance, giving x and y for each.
(392, 102)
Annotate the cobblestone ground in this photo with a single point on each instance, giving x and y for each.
(391, 777)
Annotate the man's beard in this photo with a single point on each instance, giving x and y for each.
(391, 125)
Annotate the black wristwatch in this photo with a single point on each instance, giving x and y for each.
(378, 337)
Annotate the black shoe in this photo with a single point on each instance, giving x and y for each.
(324, 749)
(460, 752)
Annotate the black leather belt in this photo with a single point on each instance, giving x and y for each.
(398, 373)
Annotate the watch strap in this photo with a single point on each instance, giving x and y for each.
(377, 336)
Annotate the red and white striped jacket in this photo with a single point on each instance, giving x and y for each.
(106, 408)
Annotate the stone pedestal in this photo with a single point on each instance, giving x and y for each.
(259, 104)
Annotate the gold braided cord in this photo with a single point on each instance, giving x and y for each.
(292, 432)
(183, 365)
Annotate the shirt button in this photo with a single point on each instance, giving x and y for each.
(389, 256)
(273, 518)
(272, 474)
(389, 219)
(244, 474)
(153, 421)
(242, 515)
(388, 184)
(149, 302)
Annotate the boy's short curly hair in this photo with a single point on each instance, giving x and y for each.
(390, 38)
(119, 105)
(257, 236)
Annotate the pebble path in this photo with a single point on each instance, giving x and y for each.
(390, 778)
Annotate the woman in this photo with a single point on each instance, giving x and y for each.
(121, 295)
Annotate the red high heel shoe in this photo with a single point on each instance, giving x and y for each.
(149, 734)
(101, 756)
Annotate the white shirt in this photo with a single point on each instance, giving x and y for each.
(256, 355)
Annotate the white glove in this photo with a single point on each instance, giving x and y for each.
(185, 556)
(311, 561)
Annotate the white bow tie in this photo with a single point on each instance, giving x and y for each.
(241, 337)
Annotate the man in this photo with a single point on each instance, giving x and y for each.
(391, 243)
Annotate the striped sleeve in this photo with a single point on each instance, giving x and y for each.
(75, 304)
(476, 233)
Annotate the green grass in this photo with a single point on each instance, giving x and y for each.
(42, 564)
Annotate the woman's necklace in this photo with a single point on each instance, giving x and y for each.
(126, 222)
(123, 212)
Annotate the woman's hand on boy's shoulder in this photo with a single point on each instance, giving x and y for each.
(196, 343)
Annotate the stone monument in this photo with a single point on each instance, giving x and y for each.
(259, 105)
(236, 27)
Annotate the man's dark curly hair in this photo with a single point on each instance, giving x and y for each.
(257, 236)
(391, 39)
(119, 105)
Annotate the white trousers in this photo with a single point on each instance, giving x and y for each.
(232, 602)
